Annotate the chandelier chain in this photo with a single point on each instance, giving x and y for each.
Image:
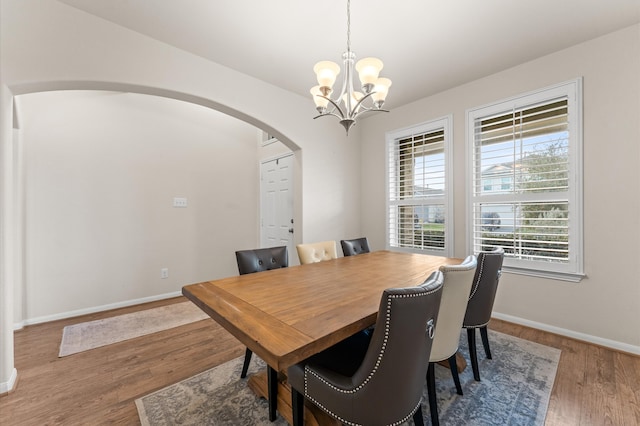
(348, 25)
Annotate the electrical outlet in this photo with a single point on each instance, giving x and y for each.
(179, 202)
(164, 273)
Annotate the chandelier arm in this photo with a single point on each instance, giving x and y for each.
(326, 114)
(373, 110)
(355, 108)
(334, 103)
(365, 111)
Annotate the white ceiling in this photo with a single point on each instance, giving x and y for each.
(427, 46)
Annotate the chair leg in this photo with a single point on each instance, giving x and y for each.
(417, 417)
(297, 404)
(485, 341)
(431, 391)
(272, 391)
(453, 365)
(473, 353)
(245, 366)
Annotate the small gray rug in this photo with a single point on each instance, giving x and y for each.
(94, 334)
(514, 390)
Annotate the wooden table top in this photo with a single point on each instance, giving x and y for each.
(286, 315)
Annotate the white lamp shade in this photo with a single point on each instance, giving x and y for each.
(381, 89)
(368, 70)
(326, 72)
(355, 97)
(317, 97)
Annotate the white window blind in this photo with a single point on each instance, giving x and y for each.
(526, 192)
(418, 203)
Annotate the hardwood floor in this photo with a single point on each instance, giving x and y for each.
(594, 385)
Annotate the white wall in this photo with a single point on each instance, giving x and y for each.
(102, 169)
(605, 306)
(8, 373)
(46, 45)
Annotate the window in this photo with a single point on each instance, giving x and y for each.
(530, 149)
(419, 203)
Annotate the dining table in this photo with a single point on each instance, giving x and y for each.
(286, 315)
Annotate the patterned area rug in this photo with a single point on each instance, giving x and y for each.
(514, 390)
(94, 334)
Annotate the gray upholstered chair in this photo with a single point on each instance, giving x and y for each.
(316, 252)
(483, 294)
(355, 246)
(258, 260)
(455, 294)
(378, 381)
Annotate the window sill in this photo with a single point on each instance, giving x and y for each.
(552, 275)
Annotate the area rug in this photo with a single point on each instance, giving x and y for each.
(94, 334)
(515, 389)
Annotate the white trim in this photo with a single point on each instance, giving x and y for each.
(552, 275)
(275, 157)
(267, 139)
(6, 387)
(574, 270)
(611, 344)
(446, 123)
(539, 95)
(261, 207)
(92, 310)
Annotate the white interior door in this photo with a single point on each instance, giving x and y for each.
(276, 200)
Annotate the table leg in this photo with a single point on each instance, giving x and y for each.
(313, 416)
(272, 385)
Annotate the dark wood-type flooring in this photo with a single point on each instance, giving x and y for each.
(594, 385)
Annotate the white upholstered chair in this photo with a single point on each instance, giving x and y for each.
(453, 306)
(317, 252)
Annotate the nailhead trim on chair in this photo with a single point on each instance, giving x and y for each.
(375, 369)
(477, 283)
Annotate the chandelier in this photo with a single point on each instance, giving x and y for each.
(349, 103)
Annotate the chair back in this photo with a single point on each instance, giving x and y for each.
(455, 294)
(388, 386)
(317, 252)
(484, 287)
(355, 246)
(264, 259)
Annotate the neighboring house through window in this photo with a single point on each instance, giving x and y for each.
(525, 163)
(419, 199)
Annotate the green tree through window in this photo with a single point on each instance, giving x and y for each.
(529, 148)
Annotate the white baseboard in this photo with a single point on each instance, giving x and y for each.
(613, 344)
(63, 315)
(6, 387)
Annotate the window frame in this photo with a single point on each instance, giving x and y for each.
(446, 125)
(573, 269)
